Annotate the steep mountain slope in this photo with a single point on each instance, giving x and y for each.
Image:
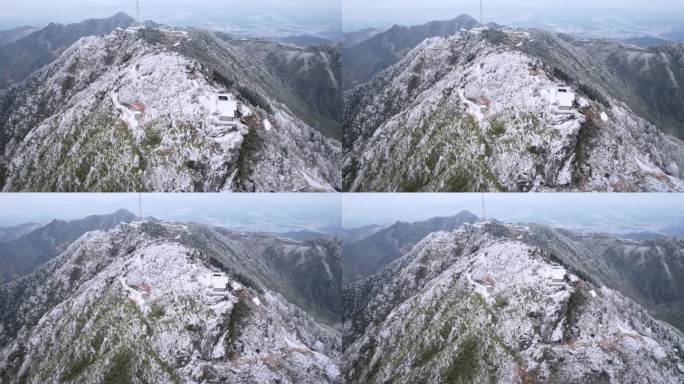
(655, 76)
(371, 254)
(312, 74)
(350, 39)
(374, 51)
(144, 302)
(9, 36)
(651, 271)
(8, 234)
(29, 251)
(418, 126)
(500, 303)
(70, 126)
(28, 54)
(308, 272)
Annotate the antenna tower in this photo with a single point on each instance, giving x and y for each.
(481, 14)
(140, 213)
(137, 10)
(484, 217)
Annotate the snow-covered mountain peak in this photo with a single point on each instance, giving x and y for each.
(197, 321)
(140, 109)
(482, 110)
(487, 302)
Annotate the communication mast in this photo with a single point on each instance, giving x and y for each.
(137, 10)
(484, 216)
(481, 14)
(140, 212)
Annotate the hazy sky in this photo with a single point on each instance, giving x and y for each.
(308, 13)
(258, 212)
(609, 212)
(323, 16)
(362, 13)
(282, 212)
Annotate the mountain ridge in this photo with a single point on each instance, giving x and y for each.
(372, 253)
(483, 303)
(89, 310)
(270, 148)
(373, 53)
(28, 54)
(26, 253)
(414, 127)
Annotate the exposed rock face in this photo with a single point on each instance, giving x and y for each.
(501, 303)
(474, 112)
(71, 126)
(102, 311)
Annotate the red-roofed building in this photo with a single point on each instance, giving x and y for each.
(138, 106)
(145, 288)
(483, 101)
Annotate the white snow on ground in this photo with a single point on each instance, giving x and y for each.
(174, 305)
(534, 147)
(177, 101)
(267, 125)
(245, 111)
(508, 295)
(132, 293)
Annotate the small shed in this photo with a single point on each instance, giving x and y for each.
(138, 109)
(483, 101)
(218, 285)
(143, 288)
(226, 106)
(564, 99)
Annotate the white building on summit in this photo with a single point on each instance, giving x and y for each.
(223, 108)
(562, 100)
(217, 284)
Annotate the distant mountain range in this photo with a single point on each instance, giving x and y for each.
(650, 271)
(372, 253)
(26, 247)
(369, 52)
(305, 40)
(20, 58)
(8, 234)
(10, 36)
